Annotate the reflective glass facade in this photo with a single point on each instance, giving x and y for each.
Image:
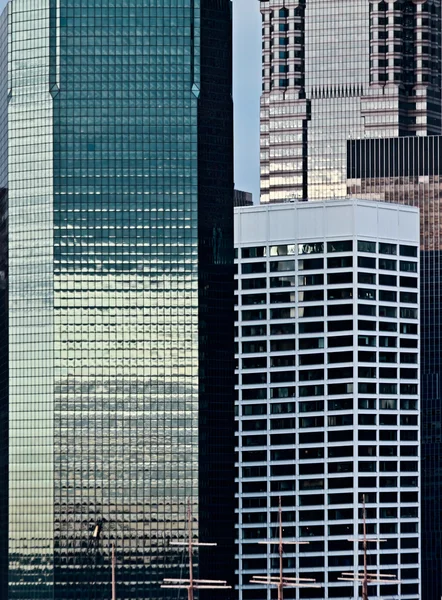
(120, 195)
(337, 70)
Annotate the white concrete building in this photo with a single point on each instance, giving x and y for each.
(328, 392)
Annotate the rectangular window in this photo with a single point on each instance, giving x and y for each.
(366, 262)
(408, 250)
(254, 347)
(282, 329)
(387, 296)
(390, 280)
(387, 265)
(311, 343)
(311, 406)
(366, 310)
(338, 278)
(282, 313)
(316, 279)
(256, 283)
(307, 312)
(408, 313)
(253, 252)
(408, 266)
(283, 297)
(364, 246)
(340, 262)
(340, 294)
(254, 315)
(340, 325)
(257, 362)
(367, 278)
(385, 248)
(282, 265)
(309, 264)
(311, 327)
(283, 281)
(282, 345)
(311, 248)
(310, 359)
(335, 310)
(340, 246)
(249, 268)
(311, 296)
(311, 375)
(408, 297)
(409, 282)
(284, 250)
(364, 356)
(388, 311)
(366, 294)
(339, 341)
(254, 330)
(253, 299)
(387, 341)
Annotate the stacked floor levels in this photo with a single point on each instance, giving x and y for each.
(328, 392)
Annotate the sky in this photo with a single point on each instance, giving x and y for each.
(246, 91)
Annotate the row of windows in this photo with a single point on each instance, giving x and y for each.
(317, 437)
(308, 312)
(259, 283)
(333, 310)
(314, 343)
(318, 358)
(334, 294)
(318, 483)
(335, 262)
(344, 420)
(318, 248)
(305, 454)
(319, 327)
(333, 389)
(364, 372)
(281, 408)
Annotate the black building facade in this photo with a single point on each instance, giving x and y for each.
(408, 170)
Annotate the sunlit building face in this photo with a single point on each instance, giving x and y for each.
(337, 70)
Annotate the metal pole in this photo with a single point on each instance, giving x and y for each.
(281, 581)
(365, 578)
(114, 584)
(189, 519)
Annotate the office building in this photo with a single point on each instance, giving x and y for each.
(331, 72)
(327, 338)
(241, 198)
(409, 171)
(331, 75)
(117, 119)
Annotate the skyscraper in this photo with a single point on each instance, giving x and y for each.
(119, 177)
(328, 402)
(408, 170)
(337, 77)
(337, 70)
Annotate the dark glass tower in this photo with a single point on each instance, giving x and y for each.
(120, 192)
(408, 170)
